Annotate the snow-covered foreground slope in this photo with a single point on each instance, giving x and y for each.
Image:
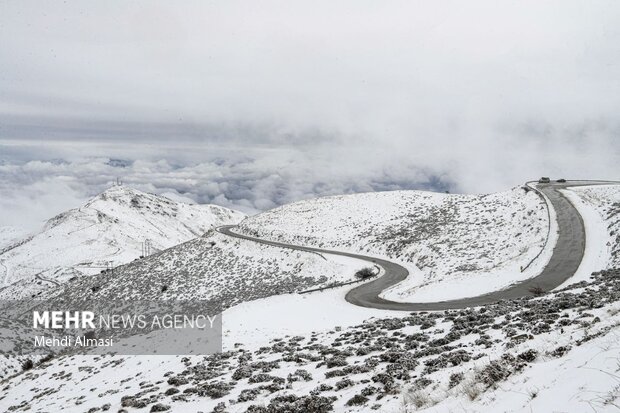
(586, 379)
(109, 230)
(453, 245)
(552, 353)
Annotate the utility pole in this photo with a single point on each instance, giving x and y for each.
(146, 248)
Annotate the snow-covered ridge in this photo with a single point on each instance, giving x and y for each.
(529, 354)
(10, 235)
(605, 200)
(215, 267)
(453, 245)
(115, 227)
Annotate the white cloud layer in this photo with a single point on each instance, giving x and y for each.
(252, 104)
(36, 190)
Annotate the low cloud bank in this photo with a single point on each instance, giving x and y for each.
(252, 181)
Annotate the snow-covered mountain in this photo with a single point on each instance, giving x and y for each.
(114, 228)
(213, 267)
(453, 245)
(10, 235)
(317, 353)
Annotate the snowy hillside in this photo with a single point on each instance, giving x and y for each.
(213, 267)
(285, 352)
(453, 245)
(10, 235)
(224, 270)
(605, 201)
(111, 229)
(555, 352)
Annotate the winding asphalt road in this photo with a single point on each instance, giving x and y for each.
(564, 262)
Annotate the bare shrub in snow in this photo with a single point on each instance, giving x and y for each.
(357, 400)
(417, 399)
(365, 273)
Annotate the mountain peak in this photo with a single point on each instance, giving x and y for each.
(122, 194)
(121, 189)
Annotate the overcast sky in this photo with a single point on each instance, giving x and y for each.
(257, 103)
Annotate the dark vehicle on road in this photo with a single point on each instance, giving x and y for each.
(544, 180)
(561, 180)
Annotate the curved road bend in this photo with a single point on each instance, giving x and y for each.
(564, 262)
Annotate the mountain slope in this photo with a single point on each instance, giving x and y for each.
(439, 361)
(605, 202)
(453, 245)
(212, 267)
(529, 354)
(109, 230)
(10, 235)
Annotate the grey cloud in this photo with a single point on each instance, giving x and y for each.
(251, 106)
(256, 177)
(357, 68)
(249, 184)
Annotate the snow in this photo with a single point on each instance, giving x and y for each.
(454, 246)
(584, 380)
(9, 235)
(599, 206)
(581, 376)
(110, 229)
(256, 323)
(255, 283)
(596, 255)
(214, 267)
